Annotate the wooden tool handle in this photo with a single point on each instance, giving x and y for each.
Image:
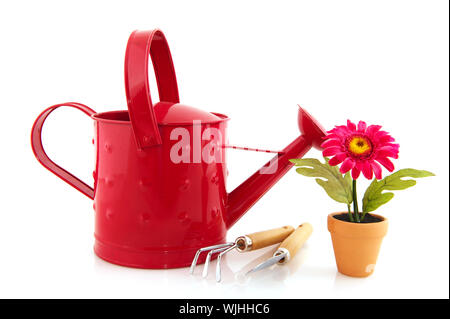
(295, 241)
(263, 238)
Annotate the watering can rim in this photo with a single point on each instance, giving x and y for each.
(98, 117)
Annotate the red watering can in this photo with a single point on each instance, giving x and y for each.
(160, 175)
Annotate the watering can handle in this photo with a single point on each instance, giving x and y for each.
(39, 152)
(140, 45)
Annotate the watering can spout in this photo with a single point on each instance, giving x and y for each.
(243, 197)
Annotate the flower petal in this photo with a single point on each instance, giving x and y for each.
(362, 126)
(359, 165)
(347, 165)
(382, 137)
(367, 170)
(386, 163)
(341, 130)
(372, 129)
(355, 172)
(351, 126)
(330, 151)
(376, 169)
(387, 151)
(392, 145)
(386, 139)
(332, 135)
(331, 142)
(338, 159)
(380, 134)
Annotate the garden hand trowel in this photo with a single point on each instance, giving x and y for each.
(288, 248)
(242, 244)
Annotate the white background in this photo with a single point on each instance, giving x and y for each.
(385, 62)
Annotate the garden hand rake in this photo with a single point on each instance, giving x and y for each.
(242, 244)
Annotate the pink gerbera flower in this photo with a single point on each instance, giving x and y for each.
(360, 148)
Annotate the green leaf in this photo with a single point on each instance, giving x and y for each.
(374, 196)
(337, 186)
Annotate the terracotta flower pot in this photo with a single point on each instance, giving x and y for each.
(356, 245)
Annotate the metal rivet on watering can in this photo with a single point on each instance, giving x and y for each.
(148, 140)
(215, 179)
(145, 217)
(109, 182)
(109, 214)
(183, 218)
(143, 185)
(185, 185)
(215, 212)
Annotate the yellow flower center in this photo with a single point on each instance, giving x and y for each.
(359, 145)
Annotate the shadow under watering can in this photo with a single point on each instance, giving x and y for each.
(160, 174)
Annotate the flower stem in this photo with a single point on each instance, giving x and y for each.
(363, 215)
(350, 216)
(355, 202)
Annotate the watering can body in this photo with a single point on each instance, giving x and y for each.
(160, 174)
(154, 211)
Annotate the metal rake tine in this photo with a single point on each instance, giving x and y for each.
(218, 270)
(208, 259)
(197, 254)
